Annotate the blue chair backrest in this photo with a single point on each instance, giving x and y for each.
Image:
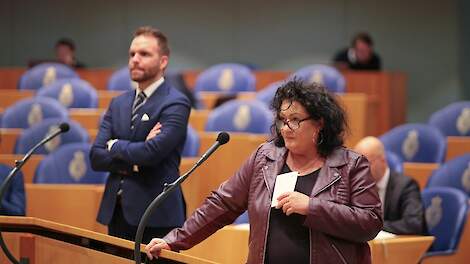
(28, 112)
(242, 219)
(394, 162)
(69, 164)
(453, 120)
(71, 93)
(227, 78)
(44, 74)
(36, 133)
(454, 173)
(446, 214)
(416, 143)
(120, 80)
(266, 95)
(330, 77)
(14, 200)
(192, 143)
(240, 116)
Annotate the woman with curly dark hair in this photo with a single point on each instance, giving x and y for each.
(329, 215)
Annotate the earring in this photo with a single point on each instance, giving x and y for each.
(320, 135)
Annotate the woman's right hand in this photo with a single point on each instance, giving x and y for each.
(154, 248)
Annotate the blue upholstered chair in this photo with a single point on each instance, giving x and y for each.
(446, 214)
(330, 77)
(226, 78)
(242, 219)
(416, 143)
(454, 173)
(28, 112)
(240, 116)
(453, 120)
(45, 74)
(192, 143)
(34, 134)
(120, 80)
(69, 164)
(394, 162)
(14, 201)
(71, 93)
(266, 95)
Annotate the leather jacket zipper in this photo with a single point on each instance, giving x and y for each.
(343, 260)
(269, 215)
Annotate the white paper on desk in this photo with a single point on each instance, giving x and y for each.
(284, 183)
(384, 235)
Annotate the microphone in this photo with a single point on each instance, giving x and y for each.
(222, 138)
(64, 127)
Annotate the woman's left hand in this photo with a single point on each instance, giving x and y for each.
(293, 202)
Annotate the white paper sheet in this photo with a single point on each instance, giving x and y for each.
(284, 183)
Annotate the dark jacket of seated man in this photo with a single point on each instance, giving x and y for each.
(13, 202)
(402, 206)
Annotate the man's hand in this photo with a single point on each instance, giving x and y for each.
(154, 248)
(155, 131)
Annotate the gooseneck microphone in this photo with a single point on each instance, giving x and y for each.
(63, 127)
(222, 138)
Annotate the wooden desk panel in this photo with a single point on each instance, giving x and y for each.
(356, 107)
(419, 171)
(230, 245)
(105, 97)
(209, 99)
(98, 78)
(9, 78)
(457, 146)
(29, 168)
(72, 204)
(88, 118)
(198, 119)
(10, 97)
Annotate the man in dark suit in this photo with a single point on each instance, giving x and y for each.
(402, 207)
(140, 143)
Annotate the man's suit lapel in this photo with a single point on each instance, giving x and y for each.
(126, 110)
(150, 105)
(390, 194)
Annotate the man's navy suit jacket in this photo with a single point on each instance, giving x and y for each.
(157, 159)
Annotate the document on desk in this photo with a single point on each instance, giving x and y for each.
(284, 183)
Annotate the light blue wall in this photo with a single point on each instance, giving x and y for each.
(421, 38)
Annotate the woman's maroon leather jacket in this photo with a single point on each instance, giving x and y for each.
(344, 208)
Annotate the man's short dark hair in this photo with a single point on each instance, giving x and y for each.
(321, 105)
(65, 42)
(161, 38)
(364, 37)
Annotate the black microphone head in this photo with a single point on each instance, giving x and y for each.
(64, 127)
(223, 137)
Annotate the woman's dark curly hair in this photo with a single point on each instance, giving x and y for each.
(321, 106)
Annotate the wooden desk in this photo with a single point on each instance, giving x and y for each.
(29, 168)
(10, 97)
(230, 245)
(97, 77)
(51, 243)
(88, 118)
(198, 119)
(9, 77)
(419, 171)
(457, 146)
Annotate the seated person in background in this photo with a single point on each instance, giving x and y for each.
(360, 56)
(13, 202)
(65, 53)
(403, 211)
(332, 208)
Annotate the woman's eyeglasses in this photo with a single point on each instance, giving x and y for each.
(292, 124)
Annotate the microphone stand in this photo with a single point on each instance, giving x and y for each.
(167, 189)
(6, 184)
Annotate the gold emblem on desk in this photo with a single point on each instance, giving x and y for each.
(35, 115)
(410, 145)
(66, 95)
(77, 167)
